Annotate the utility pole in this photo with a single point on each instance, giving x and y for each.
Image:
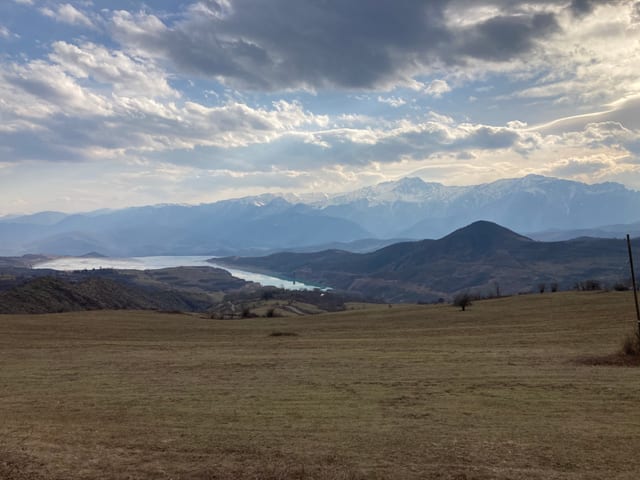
(633, 282)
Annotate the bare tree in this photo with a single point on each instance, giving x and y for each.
(462, 300)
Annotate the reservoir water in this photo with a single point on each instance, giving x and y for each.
(151, 263)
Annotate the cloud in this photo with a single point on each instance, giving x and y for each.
(39, 89)
(580, 167)
(623, 112)
(4, 32)
(399, 141)
(437, 88)
(125, 74)
(61, 111)
(582, 7)
(294, 44)
(67, 13)
(501, 38)
(89, 103)
(591, 62)
(394, 102)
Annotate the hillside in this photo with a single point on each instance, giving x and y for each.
(482, 257)
(511, 389)
(193, 289)
(50, 294)
(208, 290)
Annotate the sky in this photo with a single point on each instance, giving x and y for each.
(109, 104)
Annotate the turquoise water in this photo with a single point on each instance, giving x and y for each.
(151, 263)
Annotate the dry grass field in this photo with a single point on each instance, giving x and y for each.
(509, 389)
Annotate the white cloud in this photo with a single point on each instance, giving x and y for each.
(125, 74)
(593, 60)
(67, 13)
(437, 88)
(71, 116)
(394, 102)
(39, 90)
(4, 32)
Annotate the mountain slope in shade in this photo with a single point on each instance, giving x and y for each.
(606, 231)
(481, 257)
(259, 223)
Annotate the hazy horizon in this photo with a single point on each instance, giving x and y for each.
(258, 194)
(126, 103)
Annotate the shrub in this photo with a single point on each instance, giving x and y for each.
(620, 287)
(283, 334)
(268, 294)
(631, 345)
(588, 285)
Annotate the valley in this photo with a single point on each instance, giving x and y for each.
(319, 240)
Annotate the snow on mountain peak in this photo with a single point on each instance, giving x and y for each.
(408, 190)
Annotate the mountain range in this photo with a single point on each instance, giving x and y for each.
(483, 258)
(358, 221)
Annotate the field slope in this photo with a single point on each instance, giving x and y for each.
(504, 390)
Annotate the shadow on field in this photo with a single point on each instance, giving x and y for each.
(628, 356)
(614, 360)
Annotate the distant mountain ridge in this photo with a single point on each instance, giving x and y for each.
(408, 208)
(482, 257)
(529, 204)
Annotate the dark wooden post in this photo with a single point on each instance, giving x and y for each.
(633, 282)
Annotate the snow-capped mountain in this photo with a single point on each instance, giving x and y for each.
(413, 208)
(407, 190)
(408, 208)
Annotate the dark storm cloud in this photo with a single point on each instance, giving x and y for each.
(502, 38)
(355, 44)
(582, 7)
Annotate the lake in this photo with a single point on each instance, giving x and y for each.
(152, 263)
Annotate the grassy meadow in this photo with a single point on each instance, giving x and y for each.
(513, 388)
